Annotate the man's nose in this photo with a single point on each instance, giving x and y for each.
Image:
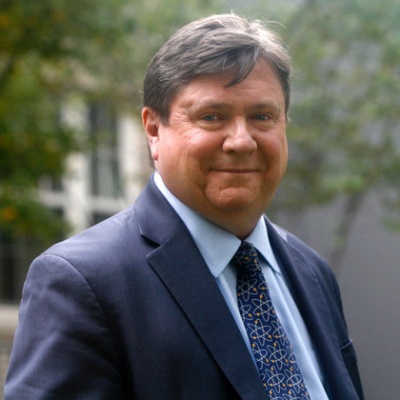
(239, 138)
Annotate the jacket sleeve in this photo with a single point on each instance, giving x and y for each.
(63, 347)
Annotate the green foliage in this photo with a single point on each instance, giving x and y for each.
(44, 49)
(32, 145)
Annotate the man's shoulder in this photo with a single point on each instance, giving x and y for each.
(103, 241)
(290, 239)
(295, 245)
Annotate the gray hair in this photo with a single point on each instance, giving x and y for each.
(218, 44)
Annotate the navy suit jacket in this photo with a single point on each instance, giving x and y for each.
(129, 310)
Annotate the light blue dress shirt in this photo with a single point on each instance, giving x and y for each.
(217, 247)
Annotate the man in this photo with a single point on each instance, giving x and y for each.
(143, 305)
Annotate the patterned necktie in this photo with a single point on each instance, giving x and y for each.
(273, 353)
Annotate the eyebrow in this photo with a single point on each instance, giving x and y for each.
(267, 105)
(225, 105)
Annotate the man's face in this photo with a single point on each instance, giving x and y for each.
(223, 151)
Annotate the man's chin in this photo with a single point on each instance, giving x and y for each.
(234, 200)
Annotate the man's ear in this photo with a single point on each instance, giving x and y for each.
(151, 124)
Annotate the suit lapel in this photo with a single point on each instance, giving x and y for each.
(316, 308)
(181, 267)
(304, 286)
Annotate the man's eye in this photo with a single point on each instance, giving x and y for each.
(262, 117)
(210, 118)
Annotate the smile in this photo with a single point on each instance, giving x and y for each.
(237, 171)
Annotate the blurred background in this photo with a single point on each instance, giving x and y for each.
(72, 151)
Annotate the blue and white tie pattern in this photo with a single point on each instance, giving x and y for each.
(273, 353)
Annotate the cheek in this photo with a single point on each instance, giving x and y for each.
(185, 154)
(167, 147)
(174, 158)
(284, 153)
(276, 149)
(275, 155)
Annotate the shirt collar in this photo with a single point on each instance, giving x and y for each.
(216, 245)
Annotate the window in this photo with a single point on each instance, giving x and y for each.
(104, 159)
(16, 254)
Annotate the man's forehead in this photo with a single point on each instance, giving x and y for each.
(214, 95)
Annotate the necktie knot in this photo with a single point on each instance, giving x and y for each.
(246, 259)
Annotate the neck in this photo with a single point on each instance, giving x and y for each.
(241, 226)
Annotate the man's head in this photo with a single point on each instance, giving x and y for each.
(220, 44)
(215, 117)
